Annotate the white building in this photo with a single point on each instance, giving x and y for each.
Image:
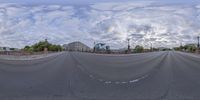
(8, 49)
(1, 48)
(4, 49)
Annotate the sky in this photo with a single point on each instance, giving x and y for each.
(78, 2)
(164, 23)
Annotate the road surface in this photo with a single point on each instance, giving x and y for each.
(83, 76)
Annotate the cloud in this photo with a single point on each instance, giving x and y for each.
(111, 23)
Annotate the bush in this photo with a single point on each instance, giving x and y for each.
(139, 49)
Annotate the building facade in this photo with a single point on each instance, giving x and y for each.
(5, 49)
(77, 46)
(101, 48)
(8, 49)
(1, 48)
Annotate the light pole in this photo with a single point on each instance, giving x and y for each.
(198, 42)
(151, 47)
(94, 49)
(181, 46)
(128, 44)
(46, 48)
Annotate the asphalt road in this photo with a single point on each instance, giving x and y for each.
(84, 76)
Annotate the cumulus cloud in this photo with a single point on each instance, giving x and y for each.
(111, 23)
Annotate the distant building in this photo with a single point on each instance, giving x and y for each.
(76, 46)
(8, 49)
(119, 51)
(4, 49)
(163, 48)
(101, 47)
(65, 46)
(1, 48)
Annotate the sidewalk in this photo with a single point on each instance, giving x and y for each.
(28, 57)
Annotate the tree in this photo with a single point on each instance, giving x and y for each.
(190, 47)
(139, 49)
(40, 46)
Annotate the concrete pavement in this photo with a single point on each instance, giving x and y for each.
(84, 76)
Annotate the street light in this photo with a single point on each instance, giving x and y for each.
(46, 48)
(94, 49)
(151, 47)
(128, 44)
(198, 42)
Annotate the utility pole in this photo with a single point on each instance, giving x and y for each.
(198, 42)
(94, 49)
(128, 44)
(46, 40)
(46, 48)
(151, 47)
(181, 46)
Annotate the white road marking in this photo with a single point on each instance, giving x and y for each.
(133, 81)
(123, 82)
(101, 80)
(108, 82)
(91, 76)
